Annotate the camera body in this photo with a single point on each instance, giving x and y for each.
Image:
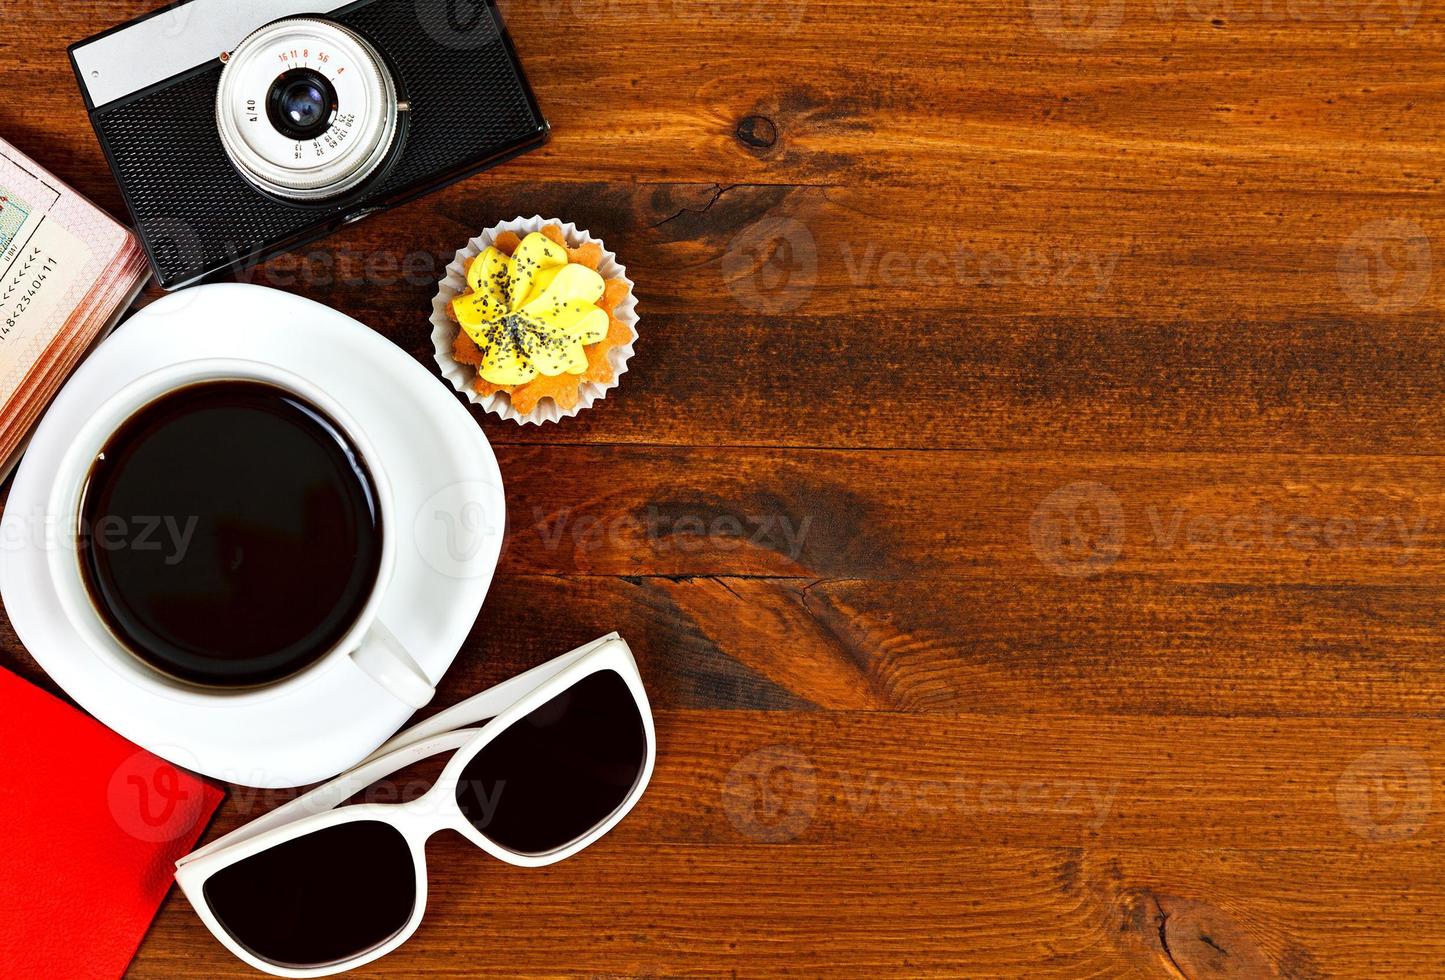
(310, 119)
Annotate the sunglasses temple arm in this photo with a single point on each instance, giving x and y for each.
(329, 795)
(491, 702)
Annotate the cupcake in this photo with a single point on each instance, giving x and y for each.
(535, 321)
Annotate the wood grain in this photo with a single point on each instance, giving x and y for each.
(1024, 503)
(948, 322)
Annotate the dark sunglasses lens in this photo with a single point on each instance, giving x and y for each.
(560, 771)
(319, 899)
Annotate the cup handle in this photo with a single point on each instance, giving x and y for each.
(386, 661)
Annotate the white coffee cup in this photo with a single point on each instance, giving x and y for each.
(368, 644)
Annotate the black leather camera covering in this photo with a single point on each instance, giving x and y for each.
(195, 213)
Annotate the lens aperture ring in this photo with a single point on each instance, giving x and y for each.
(307, 109)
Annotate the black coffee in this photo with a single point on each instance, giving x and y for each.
(230, 534)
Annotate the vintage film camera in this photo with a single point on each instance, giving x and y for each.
(241, 128)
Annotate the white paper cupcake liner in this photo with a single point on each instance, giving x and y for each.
(463, 376)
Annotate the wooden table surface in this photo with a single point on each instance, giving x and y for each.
(1025, 503)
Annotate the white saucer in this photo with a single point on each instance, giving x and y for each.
(442, 470)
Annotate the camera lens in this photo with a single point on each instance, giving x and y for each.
(301, 104)
(325, 126)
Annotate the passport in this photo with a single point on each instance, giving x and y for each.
(68, 272)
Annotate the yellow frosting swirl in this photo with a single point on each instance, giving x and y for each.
(533, 313)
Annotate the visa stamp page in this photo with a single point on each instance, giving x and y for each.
(44, 267)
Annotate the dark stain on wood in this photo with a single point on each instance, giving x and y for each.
(758, 132)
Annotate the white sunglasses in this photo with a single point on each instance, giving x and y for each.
(313, 888)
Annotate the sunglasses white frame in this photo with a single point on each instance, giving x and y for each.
(437, 809)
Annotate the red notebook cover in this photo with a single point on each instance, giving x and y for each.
(90, 829)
